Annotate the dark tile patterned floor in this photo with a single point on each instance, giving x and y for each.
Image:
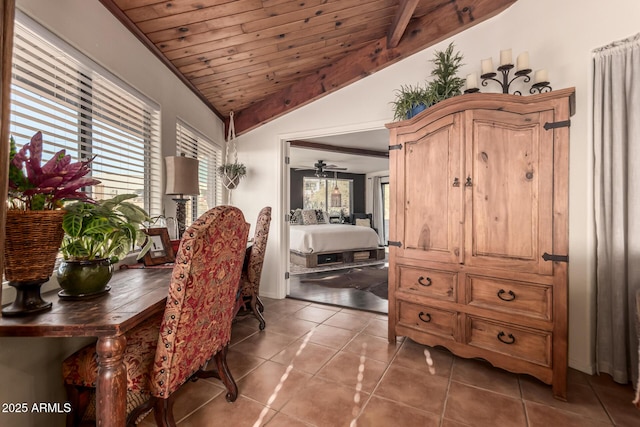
(325, 366)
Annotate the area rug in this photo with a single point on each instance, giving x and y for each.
(363, 288)
(372, 280)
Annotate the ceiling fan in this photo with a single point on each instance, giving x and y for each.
(321, 167)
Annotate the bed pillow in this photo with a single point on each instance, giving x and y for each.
(322, 216)
(296, 217)
(309, 217)
(364, 222)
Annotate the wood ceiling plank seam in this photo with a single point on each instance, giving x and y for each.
(176, 37)
(239, 11)
(299, 27)
(331, 10)
(166, 8)
(125, 5)
(421, 33)
(265, 53)
(194, 29)
(218, 59)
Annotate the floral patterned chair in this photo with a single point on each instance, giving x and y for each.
(195, 328)
(249, 300)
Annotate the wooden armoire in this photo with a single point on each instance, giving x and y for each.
(479, 230)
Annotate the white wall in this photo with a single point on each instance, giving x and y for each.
(30, 368)
(559, 36)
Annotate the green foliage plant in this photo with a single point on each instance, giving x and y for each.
(106, 229)
(446, 83)
(408, 97)
(232, 169)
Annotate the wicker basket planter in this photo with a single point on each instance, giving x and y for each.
(32, 242)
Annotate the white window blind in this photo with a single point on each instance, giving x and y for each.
(194, 144)
(84, 109)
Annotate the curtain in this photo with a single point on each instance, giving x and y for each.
(616, 131)
(377, 209)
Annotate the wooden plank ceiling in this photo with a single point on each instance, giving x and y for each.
(264, 58)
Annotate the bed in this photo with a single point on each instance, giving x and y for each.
(317, 244)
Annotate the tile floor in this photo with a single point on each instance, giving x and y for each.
(304, 370)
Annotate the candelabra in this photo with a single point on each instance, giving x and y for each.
(541, 79)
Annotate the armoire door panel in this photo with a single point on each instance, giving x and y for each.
(509, 212)
(430, 227)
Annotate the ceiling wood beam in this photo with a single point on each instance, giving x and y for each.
(111, 6)
(344, 150)
(451, 17)
(400, 22)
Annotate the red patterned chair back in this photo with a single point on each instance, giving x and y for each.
(200, 306)
(259, 247)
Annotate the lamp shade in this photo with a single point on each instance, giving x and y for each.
(182, 175)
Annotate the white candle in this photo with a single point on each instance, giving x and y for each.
(487, 66)
(523, 61)
(541, 76)
(472, 81)
(505, 57)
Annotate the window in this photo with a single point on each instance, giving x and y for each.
(194, 144)
(81, 107)
(317, 195)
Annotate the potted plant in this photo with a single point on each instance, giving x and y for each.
(446, 84)
(411, 100)
(96, 236)
(33, 229)
(231, 174)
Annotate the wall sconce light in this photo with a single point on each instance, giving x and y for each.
(541, 78)
(182, 180)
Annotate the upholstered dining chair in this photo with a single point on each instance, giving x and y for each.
(195, 328)
(249, 299)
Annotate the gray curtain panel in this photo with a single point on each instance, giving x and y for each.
(378, 209)
(616, 132)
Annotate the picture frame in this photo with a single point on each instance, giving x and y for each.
(161, 251)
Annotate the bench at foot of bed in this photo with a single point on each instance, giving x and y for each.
(336, 257)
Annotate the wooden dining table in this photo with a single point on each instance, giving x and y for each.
(135, 295)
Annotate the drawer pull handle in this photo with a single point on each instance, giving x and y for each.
(501, 292)
(510, 336)
(425, 317)
(456, 182)
(428, 283)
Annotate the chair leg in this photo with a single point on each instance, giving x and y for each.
(140, 411)
(255, 304)
(163, 412)
(260, 304)
(225, 375)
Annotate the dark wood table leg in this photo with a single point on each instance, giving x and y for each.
(111, 390)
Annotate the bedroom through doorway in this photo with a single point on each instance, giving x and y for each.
(342, 186)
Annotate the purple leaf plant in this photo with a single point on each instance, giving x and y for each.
(33, 186)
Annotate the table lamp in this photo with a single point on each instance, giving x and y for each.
(182, 180)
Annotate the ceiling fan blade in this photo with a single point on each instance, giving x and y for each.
(334, 168)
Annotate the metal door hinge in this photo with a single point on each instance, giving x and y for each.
(392, 243)
(287, 160)
(395, 147)
(555, 125)
(553, 257)
(286, 275)
(287, 217)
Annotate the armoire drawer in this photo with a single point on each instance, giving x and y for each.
(526, 344)
(518, 298)
(431, 283)
(428, 319)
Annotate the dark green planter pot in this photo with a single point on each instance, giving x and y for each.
(83, 279)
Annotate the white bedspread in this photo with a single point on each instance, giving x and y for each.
(331, 237)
